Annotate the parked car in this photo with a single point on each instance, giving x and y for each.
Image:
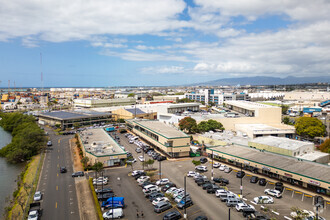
(170, 190)
(279, 186)
(63, 170)
(49, 143)
(141, 158)
(162, 206)
(104, 190)
(136, 172)
(240, 206)
(240, 174)
(203, 160)
(191, 174)
(221, 180)
(155, 195)
(262, 182)
(77, 174)
(131, 160)
(167, 186)
(228, 169)
(159, 199)
(220, 191)
(181, 197)
(201, 168)
(216, 165)
(172, 215)
(207, 185)
(230, 195)
(185, 204)
(201, 218)
(254, 179)
(138, 150)
(213, 189)
(37, 196)
(113, 213)
(162, 181)
(273, 192)
(222, 167)
(105, 196)
(263, 200)
(201, 182)
(142, 179)
(161, 158)
(232, 202)
(149, 187)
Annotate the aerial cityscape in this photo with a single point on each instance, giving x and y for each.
(165, 109)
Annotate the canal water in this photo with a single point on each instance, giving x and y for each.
(8, 173)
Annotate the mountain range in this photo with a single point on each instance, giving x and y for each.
(267, 80)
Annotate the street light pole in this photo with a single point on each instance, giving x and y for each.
(185, 197)
(212, 166)
(241, 182)
(144, 159)
(228, 213)
(160, 169)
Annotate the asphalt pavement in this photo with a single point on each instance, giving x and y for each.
(59, 193)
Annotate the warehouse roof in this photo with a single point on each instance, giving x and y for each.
(289, 164)
(281, 142)
(65, 115)
(160, 128)
(249, 105)
(135, 111)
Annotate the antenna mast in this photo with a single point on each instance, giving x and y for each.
(42, 80)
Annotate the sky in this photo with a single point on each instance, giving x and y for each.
(100, 43)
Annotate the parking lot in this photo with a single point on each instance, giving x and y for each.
(204, 204)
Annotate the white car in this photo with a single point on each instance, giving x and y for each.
(100, 182)
(201, 168)
(141, 158)
(142, 179)
(242, 205)
(222, 167)
(136, 172)
(117, 213)
(220, 191)
(216, 165)
(162, 181)
(191, 174)
(160, 199)
(100, 178)
(37, 196)
(305, 212)
(263, 200)
(149, 187)
(170, 190)
(273, 192)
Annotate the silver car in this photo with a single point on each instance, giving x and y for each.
(37, 196)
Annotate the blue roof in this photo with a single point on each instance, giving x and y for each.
(137, 110)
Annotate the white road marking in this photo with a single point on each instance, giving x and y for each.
(287, 218)
(253, 203)
(275, 212)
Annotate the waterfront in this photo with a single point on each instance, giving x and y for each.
(8, 173)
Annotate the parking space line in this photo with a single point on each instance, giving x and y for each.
(56, 205)
(287, 218)
(195, 212)
(298, 192)
(271, 182)
(276, 213)
(289, 189)
(308, 195)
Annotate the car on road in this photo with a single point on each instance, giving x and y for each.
(138, 150)
(63, 170)
(263, 200)
(37, 196)
(162, 206)
(254, 179)
(113, 213)
(240, 174)
(203, 160)
(273, 192)
(216, 165)
(77, 174)
(172, 215)
(228, 169)
(162, 181)
(240, 206)
(49, 143)
(222, 167)
(262, 182)
(159, 199)
(201, 168)
(141, 158)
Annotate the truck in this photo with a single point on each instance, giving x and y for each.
(35, 211)
(114, 202)
(109, 129)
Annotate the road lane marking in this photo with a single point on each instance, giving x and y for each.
(58, 157)
(57, 174)
(58, 150)
(275, 212)
(58, 165)
(287, 218)
(56, 187)
(56, 205)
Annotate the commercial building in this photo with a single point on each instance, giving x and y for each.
(96, 103)
(173, 98)
(130, 113)
(313, 176)
(165, 138)
(66, 119)
(99, 146)
(214, 96)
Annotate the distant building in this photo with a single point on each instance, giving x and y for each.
(165, 138)
(130, 113)
(66, 119)
(216, 97)
(96, 103)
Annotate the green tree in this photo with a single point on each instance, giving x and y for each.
(213, 125)
(284, 109)
(98, 167)
(131, 95)
(84, 161)
(76, 125)
(287, 121)
(325, 147)
(196, 162)
(309, 127)
(203, 126)
(188, 124)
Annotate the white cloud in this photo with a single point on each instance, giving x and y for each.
(163, 70)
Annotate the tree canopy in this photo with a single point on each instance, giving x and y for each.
(131, 95)
(28, 139)
(210, 125)
(309, 127)
(325, 147)
(188, 124)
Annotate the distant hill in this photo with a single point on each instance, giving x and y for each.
(266, 80)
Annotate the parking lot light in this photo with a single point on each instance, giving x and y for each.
(185, 197)
(212, 166)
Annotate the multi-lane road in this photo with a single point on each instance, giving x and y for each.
(59, 193)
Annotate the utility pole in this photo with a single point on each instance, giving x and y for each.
(185, 197)
(212, 166)
(241, 182)
(160, 169)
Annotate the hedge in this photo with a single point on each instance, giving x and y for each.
(97, 204)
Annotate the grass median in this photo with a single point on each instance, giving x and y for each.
(97, 204)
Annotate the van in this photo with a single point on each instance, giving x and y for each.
(162, 206)
(232, 202)
(152, 190)
(117, 213)
(149, 187)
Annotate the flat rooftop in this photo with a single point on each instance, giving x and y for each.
(312, 156)
(160, 128)
(272, 160)
(281, 142)
(99, 143)
(249, 105)
(257, 128)
(65, 115)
